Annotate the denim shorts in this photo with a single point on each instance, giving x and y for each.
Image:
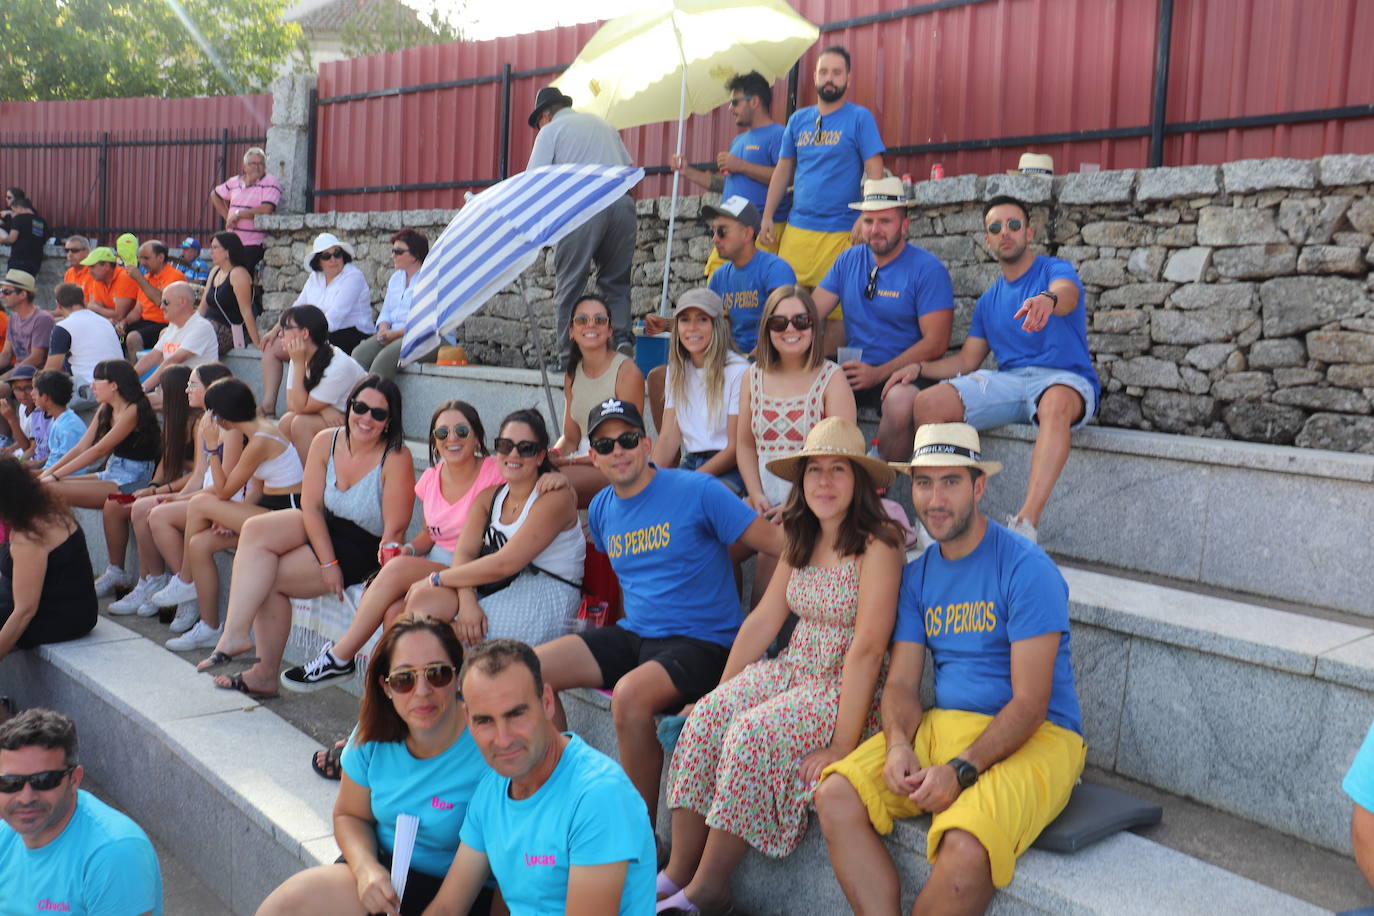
(128, 474)
(731, 478)
(997, 398)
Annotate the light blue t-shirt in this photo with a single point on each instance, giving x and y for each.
(587, 813)
(1063, 344)
(913, 284)
(436, 790)
(101, 864)
(970, 611)
(1359, 780)
(66, 430)
(758, 146)
(830, 164)
(669, 545)
(745, 289)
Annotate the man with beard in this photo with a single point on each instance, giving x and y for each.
(1034, 323)
(997, 756)
(61, 848)
(897, 298)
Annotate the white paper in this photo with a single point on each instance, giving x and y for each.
(407, 825)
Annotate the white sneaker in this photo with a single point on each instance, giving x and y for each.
(113, 577)
(188, 615)
(174, 593)
(199, 636)
(1023, 528)
(137, 599)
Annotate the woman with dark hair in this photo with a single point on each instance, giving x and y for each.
(358, 492)
(319, 379)
(517, 572)
(411, 753)
(228, 298)
(265, 478)
(382, 351)
(751, 752)
(46, 594)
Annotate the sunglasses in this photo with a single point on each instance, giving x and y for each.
(459, 432)
(818, 127)
(525, 448)
(1013, 225)
(403, 680)
(75, 250)
(598, 320)
(330, 255)
(720, 232)
(741, 100)
(378, 413)
(872, 287)
(9, 292)
(45, 781)
(626, 440)
(779, 323)
(400, 251)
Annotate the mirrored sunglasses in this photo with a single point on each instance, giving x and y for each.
(403, 680)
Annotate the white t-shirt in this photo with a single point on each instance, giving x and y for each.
(93, 340)
(342, 373)
(346, 302)
(702, 431)
(196, 335)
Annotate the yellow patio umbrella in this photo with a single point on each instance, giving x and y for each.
(672, 57)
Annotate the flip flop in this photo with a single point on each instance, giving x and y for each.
(217, 658)
(330, 768)
(236, 682)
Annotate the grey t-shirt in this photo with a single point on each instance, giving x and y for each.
(574, 136)
(27, 333)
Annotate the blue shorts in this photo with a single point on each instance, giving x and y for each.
(128, 474)
(999, 397)
(731, 478)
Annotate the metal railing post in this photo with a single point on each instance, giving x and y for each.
(504, 162)
(1163, 49)
(311, 135)
(104, 170)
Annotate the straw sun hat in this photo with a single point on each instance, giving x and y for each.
(945, 445)
(833, 437)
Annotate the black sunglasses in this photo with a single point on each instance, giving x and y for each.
(1013, 225)
(378, 413)
(403, 680)
(818, 128)
(330, 255)
(400, 251)
(75, 250)
(45, 781)
(720, 232)
(872, 286)
(459, 432)
(627, 440)
(779, 323)
(524, 449)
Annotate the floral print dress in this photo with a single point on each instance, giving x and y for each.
(738, 758)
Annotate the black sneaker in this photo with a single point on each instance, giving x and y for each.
(317, 674)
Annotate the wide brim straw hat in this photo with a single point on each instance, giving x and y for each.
(325, 241)
(946, 445)
(833, 437)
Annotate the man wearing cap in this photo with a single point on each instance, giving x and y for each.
(26, 338)
(668, 534)
(148, 320)
(27, 232)
(110, 293)
(76, 248)
(195, 268)
(188, 340)
(80, 339)
(996, 757)
(608, 238)
(827, 150)
(1033, 322)
(747, 167)
(28, 426)
(247, 195)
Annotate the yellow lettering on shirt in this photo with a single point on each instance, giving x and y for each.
(890, 293)
(965, 617)
(743, 299)
(641, 540)
(823, 138)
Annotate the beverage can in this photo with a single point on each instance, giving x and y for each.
(937, 171)
(390, 550)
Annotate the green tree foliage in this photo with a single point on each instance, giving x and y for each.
(84, 49)
(381, 26)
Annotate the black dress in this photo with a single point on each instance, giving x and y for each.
(67, 607)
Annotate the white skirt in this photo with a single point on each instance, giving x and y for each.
(534, 609)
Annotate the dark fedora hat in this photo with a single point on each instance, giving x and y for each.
(549, 95)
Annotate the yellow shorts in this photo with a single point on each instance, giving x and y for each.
(812, 253)
(714, 260)
(1006, 809)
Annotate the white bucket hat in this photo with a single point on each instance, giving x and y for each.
(325, 241)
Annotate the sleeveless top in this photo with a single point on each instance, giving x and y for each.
(588, 392)
(144, 443)
(284, 470)
(361, 503)
(780, 425)
(224, 305)
(67, 606)
(567, 552)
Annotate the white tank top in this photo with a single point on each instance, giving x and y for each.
(567, 552)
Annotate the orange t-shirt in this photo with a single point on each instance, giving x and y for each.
(160, 280)
(78, 275)
(121, 286)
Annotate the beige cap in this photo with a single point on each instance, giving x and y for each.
(945, 445)
(700, 298)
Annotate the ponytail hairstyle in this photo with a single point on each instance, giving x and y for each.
(316, 325)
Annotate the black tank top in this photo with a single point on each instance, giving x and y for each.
(143, 444)
(224, 305)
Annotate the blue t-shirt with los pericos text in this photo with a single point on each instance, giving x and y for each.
(1359, 779)
(669, 545)
(970, 611)
(830, 164)
(587, 813)
(1062, 344)
(913, 284)
(436, 789)
(101, 864)
(744, 290)
(758, 146)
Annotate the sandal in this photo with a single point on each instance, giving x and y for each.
(326, 762)
(236, 682)
(217, 658)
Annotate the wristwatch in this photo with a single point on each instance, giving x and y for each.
(965, 772)
(1051, 296)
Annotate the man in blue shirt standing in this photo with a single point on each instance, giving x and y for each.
(668, 534)
(61, 848)
(897, 298)
(1034, 323)
(994, 612)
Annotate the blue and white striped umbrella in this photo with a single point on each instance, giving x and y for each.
(496, 235)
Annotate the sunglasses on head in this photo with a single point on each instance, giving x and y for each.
(378, 413)
(41, 782)
(403, 680)
(627, 440)
(330, 254)
(872, 286)
(598, 320)
(459, 432)
(524, 448)
(779, 323)
(1013, 225)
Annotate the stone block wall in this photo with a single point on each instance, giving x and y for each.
(1230, 301)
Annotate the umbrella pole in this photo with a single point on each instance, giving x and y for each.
(677, 179)
(539, 352)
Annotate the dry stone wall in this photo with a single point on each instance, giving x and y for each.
(1230, 301)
